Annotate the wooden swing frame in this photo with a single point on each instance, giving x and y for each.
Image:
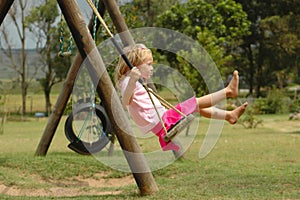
(82, 37)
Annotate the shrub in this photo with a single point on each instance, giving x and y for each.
(249, 119)
(260, 106)
(275, 102)
(294, 106)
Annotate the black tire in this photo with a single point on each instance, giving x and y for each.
(83, 147)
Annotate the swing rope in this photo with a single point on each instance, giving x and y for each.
(160, 118)
(92, 111)
(186, 118)
(92, 99)
(61, 52)
(95, 21)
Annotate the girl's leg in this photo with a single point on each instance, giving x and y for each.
(230, 91)
(230, 116)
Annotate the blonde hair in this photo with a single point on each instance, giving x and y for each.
(136, 54)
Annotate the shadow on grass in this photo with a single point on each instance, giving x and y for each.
(294, 132)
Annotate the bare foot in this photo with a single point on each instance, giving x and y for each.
(233, 86)
(233, 116)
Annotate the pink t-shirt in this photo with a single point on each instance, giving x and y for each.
(141, 108)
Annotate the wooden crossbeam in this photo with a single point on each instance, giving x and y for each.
(4, 8)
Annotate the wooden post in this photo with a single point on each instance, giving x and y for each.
(118, 21)
(116, 114)
(4, 8)
(63, 97)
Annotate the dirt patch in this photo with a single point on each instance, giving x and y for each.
(99, 184)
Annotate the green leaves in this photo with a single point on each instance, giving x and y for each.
(219, 29)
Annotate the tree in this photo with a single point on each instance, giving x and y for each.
(138, 13)
(18, 64)
(42, 22)
(262, 56)
(283, 45)
(218, 27)
(141, 13)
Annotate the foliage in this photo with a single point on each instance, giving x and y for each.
(41, 17)
(294, 106)
(260, 106)
(138, 13)
(217, 28)
(213, 55)
(226, 20)
(249, 119)
(276, 102)
(281, 45)
(141, 13)
(273, 46)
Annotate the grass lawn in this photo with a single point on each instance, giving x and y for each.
(261, 163)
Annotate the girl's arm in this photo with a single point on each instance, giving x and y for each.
(134, 75)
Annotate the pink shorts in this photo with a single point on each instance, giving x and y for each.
(170, 118)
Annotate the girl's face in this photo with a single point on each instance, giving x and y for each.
(146, 68)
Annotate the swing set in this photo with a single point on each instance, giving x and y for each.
(82, 37)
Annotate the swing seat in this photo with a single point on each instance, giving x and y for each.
(178, 127)
(88, 149)
(64, 54)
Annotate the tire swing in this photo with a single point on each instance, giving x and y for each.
(94, 134)
(93, 131)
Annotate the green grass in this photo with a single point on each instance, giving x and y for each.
(261, 163)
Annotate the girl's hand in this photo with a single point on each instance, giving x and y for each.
(135, 74)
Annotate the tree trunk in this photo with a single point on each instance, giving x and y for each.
(24, 94)
(49, 78)
(298, 69)
(258, 81)
(251, 70)
(47, 102)
(24, 68)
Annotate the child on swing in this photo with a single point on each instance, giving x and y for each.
(141, 109)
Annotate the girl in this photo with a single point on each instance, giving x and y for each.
(141, 109)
